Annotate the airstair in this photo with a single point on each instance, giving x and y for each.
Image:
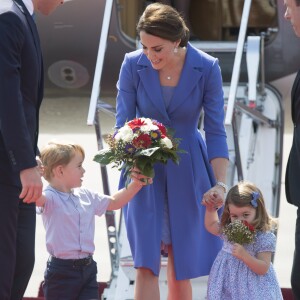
(254, 126)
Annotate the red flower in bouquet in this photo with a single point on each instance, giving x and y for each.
(136, 123)
(141, 142)
(250, 227)
(162, 129)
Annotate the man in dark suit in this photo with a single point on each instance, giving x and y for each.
(21, 92)
(292, 182)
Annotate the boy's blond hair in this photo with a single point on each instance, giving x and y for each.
(57, 153)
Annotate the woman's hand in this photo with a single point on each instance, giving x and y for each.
(139, 178)
(214, 198)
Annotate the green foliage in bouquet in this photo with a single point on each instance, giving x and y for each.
(141, 142)
(240, 232)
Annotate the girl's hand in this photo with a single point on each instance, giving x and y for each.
(214, 198)
(238, 251)
(210, 206)
(139, 178)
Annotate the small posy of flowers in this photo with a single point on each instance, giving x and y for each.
(240, 232)
(141, 142)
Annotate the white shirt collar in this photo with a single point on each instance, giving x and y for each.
(29, 5)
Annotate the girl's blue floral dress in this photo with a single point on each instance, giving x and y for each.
(231, 279)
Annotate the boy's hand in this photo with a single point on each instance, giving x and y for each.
(40, 166)
(139, 178)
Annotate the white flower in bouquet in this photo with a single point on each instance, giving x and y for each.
(166, 142)
(125, 134)
(148, 128)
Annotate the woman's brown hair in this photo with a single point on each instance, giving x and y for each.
(165, 22)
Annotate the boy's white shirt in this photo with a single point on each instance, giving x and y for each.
(67, 216)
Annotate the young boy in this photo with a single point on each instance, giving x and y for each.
(68, 213)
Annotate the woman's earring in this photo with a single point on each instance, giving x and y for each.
(176, 50)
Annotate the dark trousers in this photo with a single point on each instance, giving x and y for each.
(295, 277)
(65, 280)
(17, 236)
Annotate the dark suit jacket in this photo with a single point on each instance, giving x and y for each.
(292, 176)
(21, 90)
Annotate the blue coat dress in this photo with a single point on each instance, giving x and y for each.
(183, 185)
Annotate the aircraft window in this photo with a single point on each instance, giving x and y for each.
(129, 12)
(219, 20)
(212, 20)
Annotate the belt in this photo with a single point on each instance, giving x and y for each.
(81, 262)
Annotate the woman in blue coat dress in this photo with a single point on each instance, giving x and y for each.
(171, 81)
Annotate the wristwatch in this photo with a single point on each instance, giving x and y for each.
(223, 185)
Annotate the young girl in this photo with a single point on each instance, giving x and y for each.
(243, 272)
(68, 213)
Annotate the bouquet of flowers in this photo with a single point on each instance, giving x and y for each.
(240, 232)
(140, 142)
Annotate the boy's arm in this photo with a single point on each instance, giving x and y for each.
(41, 201)
(123, 196)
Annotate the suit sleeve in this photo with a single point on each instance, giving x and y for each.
(14, 135)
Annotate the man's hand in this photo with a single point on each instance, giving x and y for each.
(31, 185)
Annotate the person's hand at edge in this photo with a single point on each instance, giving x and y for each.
(31, 185)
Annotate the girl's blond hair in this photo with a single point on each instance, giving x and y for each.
(56, 154)
(241, 195)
